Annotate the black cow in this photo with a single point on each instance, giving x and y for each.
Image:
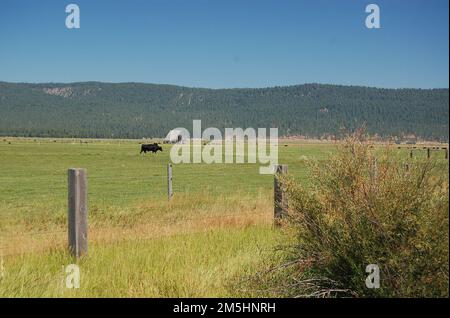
(151, 147)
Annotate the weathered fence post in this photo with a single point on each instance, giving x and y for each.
(445, 153)
(278, 194)
(428, 153)
(411, 153)
(169, 181)
(77, 206)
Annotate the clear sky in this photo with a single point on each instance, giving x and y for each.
(227, 43)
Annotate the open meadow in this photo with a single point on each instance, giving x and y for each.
(215, 231)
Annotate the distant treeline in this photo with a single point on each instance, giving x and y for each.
(135, 110)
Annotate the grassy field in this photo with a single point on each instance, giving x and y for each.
(215, 231)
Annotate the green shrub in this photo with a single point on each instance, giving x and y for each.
(366, 207)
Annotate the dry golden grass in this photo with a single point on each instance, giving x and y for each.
(146, 220)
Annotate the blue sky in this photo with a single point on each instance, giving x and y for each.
(226, 43)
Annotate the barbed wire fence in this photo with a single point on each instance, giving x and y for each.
(152, 185)
(156, 185)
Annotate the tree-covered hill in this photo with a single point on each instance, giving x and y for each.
(135, 110)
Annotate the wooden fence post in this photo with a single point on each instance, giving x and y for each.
(411, 153)
(279, 196)
(169, 181)
(445, 153)
(428, 153)
(77, 206)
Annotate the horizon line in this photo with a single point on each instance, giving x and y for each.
(226, 88)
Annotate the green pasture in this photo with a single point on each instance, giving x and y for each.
(129, 190)
(117, 174)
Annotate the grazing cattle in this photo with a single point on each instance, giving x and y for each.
(151, 147)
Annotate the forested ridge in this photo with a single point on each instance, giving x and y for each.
(136, 110)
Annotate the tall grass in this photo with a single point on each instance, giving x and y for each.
(188, 247)
(201, 264)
